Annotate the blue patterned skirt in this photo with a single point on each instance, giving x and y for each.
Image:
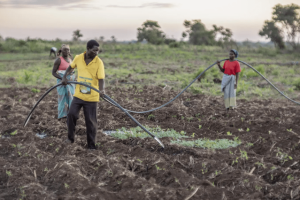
(65, 95)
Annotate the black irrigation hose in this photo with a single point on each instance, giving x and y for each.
(141, 112)
(105, 97)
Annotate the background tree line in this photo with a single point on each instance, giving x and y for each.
(282, 30)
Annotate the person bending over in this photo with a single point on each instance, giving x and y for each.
(65, 92)
(53, 51)
(231, 69)
(90, 71)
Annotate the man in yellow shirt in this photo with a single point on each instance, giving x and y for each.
(90, 70)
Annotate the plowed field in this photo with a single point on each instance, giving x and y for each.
(265, 166)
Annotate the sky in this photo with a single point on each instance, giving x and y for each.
(51, 19)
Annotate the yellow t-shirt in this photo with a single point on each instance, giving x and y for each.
(90, 75)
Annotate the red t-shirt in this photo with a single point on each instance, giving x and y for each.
(231, 68)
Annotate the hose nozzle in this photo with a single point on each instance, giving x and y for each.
(161, 144)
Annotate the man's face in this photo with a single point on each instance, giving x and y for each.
(93, 52)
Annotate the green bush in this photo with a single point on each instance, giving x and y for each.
(297, 84)
(174, 45)
(200, 70)
(275, 72)
(261, 69)
(267, 52)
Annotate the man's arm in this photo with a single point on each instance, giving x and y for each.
(64, 79)
(55, 68)
(102, 86)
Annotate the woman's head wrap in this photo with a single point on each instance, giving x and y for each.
(236, 53)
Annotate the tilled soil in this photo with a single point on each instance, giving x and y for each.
(265, 166)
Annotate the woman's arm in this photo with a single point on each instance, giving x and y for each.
(221, 69)
(236, 79)
(55, 68)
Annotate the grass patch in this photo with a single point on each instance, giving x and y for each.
(177, 138)
(124, 133)
(208, 144)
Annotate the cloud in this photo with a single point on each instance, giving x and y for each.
(61, 4)
(146, 5)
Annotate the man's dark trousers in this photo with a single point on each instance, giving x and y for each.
(90, 114)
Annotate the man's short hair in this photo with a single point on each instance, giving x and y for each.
(91, 44)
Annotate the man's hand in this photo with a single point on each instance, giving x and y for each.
(102, 93)
(235, 86)
(64, 80)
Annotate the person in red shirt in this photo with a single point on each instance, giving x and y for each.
(231, 69)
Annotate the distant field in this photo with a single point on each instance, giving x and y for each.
(137, 64)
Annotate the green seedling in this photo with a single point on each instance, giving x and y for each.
(13, 145)
(249, 144)
(248, 129)
(57, 149)
(23, 195)
(258, 188)
(151, 116)
(67, 186)
(139, 160)
(242, 119)
(290, 177)
(200, 126)
(289, 130)
(190, 119)
(14, 133)
(193, 135)
(244, 154)
(35, 90)
(46, 169)
(157, 168)
(218, 172)
(235, 161)
(8, 173)
(110, 151)
(228, 133)
(260, 164)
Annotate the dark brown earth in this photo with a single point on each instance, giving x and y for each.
(34, 168)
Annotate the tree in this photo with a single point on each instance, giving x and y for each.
(198, 34)
(288, 17)
(113, 39)
(284, 26)
(271, 31)
(150, 31)
(76, 35)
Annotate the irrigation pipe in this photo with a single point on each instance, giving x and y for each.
(105, 97)
(141, 112)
